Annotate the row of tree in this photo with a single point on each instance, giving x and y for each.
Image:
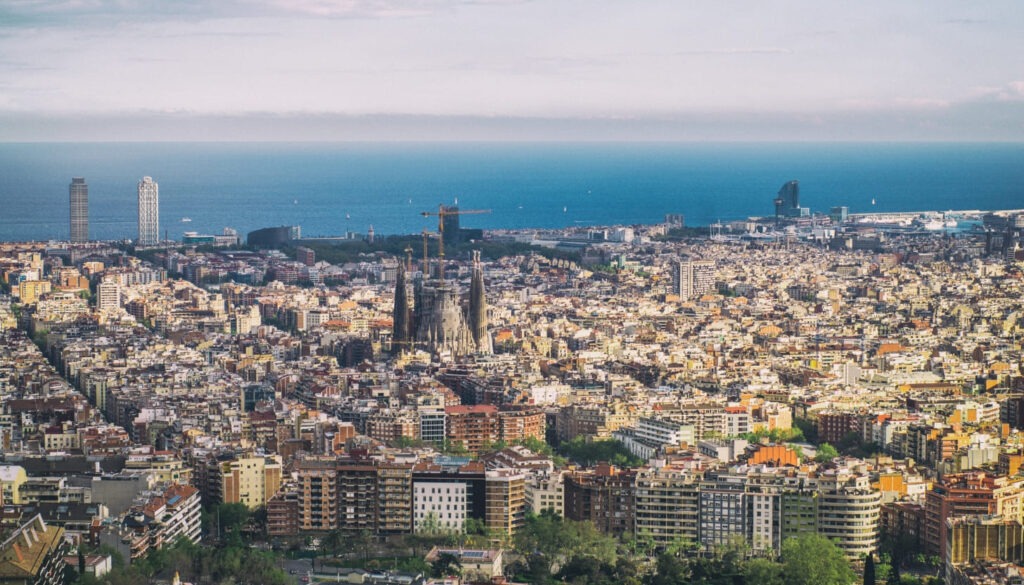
(552, 549)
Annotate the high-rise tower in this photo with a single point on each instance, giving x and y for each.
(149, 212)
(450, 224)
(787, 202)
(79, 197)
(692, 277)
(478, 307)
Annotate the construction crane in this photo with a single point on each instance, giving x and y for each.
(441, 213)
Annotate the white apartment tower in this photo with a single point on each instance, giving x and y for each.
(149, 212)
(691, 278)
(108, 295)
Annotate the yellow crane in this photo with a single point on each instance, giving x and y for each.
(441, 213)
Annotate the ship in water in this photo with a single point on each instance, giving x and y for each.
(186, 220)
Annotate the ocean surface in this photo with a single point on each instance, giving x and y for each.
(332, 189)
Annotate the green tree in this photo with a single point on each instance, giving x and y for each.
(826, 453)
(763, 572)
(588, 453)
(547, 540)
(810, 559)
(446, 564)
(334, 542)
(869, 570)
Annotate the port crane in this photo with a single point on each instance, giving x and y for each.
(441, 213)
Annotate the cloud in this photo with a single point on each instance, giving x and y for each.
(1012, 91)
(43, 13)
(965, 21)
(737, 51)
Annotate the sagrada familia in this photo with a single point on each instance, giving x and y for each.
(436, 321)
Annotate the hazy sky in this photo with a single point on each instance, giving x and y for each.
(506, 69)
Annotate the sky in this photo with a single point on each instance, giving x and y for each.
(511, 70)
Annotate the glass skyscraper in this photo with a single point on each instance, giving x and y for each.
(149, 212)
(79, 198)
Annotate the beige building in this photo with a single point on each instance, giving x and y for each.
(250, 480)
(505, 501)
(12, 477)
(667, 500)
(546, 492)
(848, 513)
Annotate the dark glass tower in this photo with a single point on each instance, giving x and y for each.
(787, 203)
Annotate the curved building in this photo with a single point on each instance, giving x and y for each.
(787, 202)
(848, 513)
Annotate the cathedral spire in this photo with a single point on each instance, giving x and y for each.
(401, 335)
(478, 307)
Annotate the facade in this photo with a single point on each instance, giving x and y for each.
(848, 512)
(12, 477)
(518, 424)
(787, 202)
(149, 212)
(250, 480)
(473, 427)
(283, 514)
(394, 498)
(667, 500)
(973, 538)
(691, 278)
(471, 475)
(79, 200)
(108, 295)
(318, 495)
(357, 497)
(546, 492)
(964, 494)
(723, 510)
(603, 496)
(441, 325)
(505, 501)
(433, 421)
(664, 432)
(175, 515)
(439, 506)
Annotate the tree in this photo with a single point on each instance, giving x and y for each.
(763, 572)
(547, 539)
(869, 570)
(810, 559)
(826, 453)
(334, 542)
(445, 564)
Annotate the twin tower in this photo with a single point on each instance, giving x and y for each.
(437, 321)
(149, 211)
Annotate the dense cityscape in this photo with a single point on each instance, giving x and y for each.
(799, 398)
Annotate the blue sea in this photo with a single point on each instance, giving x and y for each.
(331, 189)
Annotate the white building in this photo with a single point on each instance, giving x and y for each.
(439, 506)
(546, 492)
(108, 295)
(149, 212)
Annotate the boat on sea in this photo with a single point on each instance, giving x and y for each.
(186, 220)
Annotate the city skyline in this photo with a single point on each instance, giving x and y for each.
(510, 70)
